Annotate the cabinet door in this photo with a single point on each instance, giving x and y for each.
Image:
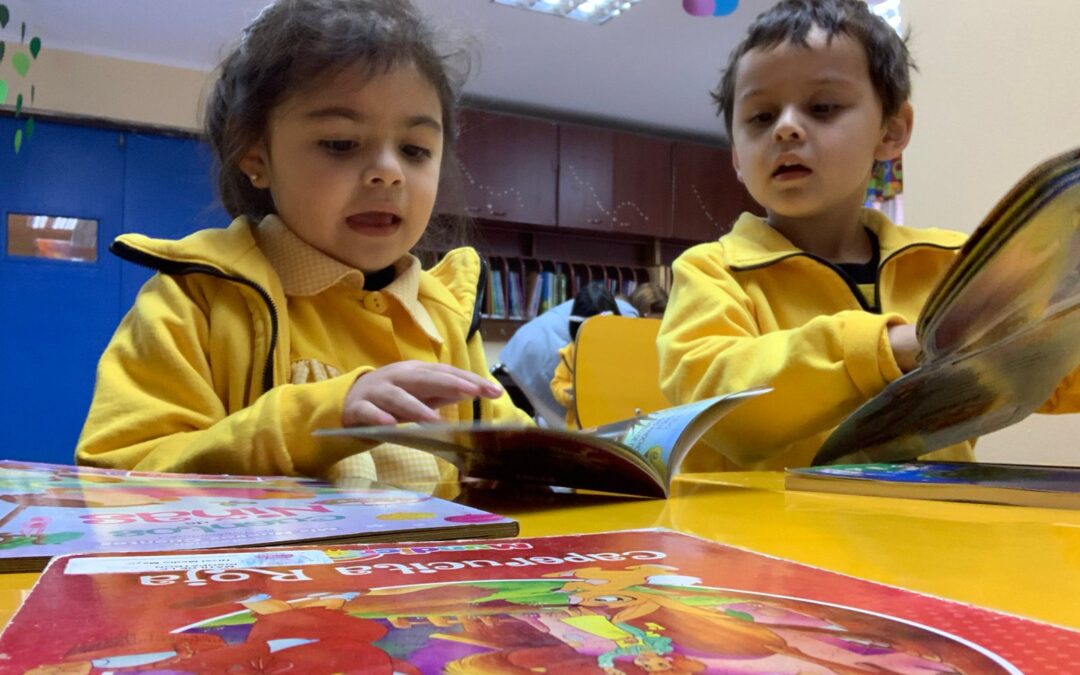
(707, 196)
(509, 167)
(614, 181)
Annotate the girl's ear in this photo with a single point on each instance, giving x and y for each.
(895, 134)
(256, 165)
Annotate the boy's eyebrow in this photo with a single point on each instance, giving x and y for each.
(356, 116)
(824, 80)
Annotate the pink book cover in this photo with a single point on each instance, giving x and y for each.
(627, 602)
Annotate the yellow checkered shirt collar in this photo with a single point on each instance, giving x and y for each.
(306, 271)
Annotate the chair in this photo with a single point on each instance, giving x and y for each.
(616, 370)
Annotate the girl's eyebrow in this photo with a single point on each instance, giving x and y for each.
(356, 116)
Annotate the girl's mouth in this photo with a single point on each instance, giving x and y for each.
(373, 223)
(791, 172)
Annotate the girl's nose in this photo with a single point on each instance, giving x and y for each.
(384, 169)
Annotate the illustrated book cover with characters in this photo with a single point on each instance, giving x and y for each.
(49, 509)
(638, 456)
(998, 334)
(1054, 487)
(627, 602)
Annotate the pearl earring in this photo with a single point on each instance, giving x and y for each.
(254, 177)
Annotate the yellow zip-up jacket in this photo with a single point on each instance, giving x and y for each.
(197, 377)
(562, 384)
(753, 309)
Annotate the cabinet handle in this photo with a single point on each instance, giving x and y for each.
(472, 209)
(594, 221)
(622, 223)
(498, 212)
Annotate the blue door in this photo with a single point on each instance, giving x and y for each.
(56, 315)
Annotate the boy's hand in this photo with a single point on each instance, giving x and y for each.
(411, 391)
(905, 346)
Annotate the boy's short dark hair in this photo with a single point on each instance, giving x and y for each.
(791, 20)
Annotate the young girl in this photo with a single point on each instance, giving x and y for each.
(331, 121)
(594, 299)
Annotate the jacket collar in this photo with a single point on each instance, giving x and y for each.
(753, 243)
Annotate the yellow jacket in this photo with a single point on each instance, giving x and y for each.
(562, 384)
(752, 309)
(198, 377)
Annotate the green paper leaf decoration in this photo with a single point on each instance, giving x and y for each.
(2, 51)
(18, 105)
(21, 63)
(18, 140)
(4, 16)
(35, 46)
(30, 128)
(3, 91)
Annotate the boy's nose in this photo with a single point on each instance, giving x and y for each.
(788, 127)
(384, 169)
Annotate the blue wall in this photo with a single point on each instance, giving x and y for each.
(57, 316)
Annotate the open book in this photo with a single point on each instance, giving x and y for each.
(51, 509)
(629, 602)
(1055, 487)
(636, 456)
(998, 334)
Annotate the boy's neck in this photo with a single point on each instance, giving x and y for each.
(837, 236)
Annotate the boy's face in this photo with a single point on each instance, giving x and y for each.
(807, 126)
(353, 164)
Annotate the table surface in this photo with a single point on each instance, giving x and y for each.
(1021, 560)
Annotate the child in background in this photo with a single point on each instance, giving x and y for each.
(818, 299)
(331, 121)
(592, 300)
(650, 300)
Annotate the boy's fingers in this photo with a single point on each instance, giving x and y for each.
(487, 388)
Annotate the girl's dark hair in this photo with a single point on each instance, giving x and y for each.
(293, 45)
(594, 299)
(791, 20)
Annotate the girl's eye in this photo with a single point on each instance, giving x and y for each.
(338, 147)
(823, 109)
(416, 152)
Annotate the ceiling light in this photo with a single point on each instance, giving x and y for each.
(590, 11)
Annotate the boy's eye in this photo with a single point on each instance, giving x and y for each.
(761, 118)
(822, 109)
(416, 152)
(338, 147)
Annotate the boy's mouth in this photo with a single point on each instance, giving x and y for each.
(373, 222)
(791, 171)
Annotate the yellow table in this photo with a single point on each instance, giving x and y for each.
(1020, 560)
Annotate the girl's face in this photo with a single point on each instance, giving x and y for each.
(353, 163)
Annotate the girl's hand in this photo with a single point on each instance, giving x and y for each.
(905, 346)
(411, 391)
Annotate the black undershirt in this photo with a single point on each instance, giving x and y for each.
(376, 281)
(864, 272)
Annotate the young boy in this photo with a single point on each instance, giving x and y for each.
(819, 299)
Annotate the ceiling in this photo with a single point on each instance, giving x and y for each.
(650, 68)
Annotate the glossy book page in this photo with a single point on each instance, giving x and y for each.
(629, 602)
(48, 510)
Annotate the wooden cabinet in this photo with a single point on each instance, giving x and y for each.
(614, 181)
(706, 194)
(509, 167)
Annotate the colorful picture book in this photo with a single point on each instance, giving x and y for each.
(48, 510)
(636, 456)
(1055, 487)
(621, 602)
(998, 334)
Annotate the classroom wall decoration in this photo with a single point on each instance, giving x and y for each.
(22, 56)
(710, 7)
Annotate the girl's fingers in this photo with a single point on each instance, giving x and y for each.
(365, 413)
(485, 387)
(404, 406)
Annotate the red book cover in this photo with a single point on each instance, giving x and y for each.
(622, 602)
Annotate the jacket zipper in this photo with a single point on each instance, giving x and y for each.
(175, 268)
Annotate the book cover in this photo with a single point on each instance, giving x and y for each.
(636, 456)
(998, 334)
(48, 510)
(620, 602)
(1046, 486)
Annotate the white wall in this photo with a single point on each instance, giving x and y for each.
(998, 91)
